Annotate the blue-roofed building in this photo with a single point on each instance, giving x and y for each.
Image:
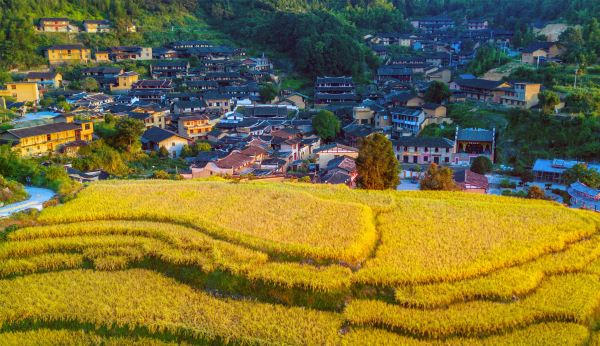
(584, 197)
(552, 170)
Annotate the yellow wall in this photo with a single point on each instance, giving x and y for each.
(43, 144)
(60, 56)
(22, 91)
(124, 82)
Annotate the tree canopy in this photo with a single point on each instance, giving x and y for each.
(437, 92)
(438, 178)
(326, 125)
(482, 165)
(377, 166)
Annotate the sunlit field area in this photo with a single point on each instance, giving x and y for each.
(222, 262)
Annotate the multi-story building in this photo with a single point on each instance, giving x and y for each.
(169, 69)
(124, 82)
(121, 53)
(396, 72)
(334, 90)
(193, 126)
(423, 150)
(96, 26)
(22, 91)
(434, 24)
(522, 95)
(45, 79)
(44, 139)
(67, 54)
(471, 143)
(406, 120)
(538, 52)
(477, 24)
(54, 25)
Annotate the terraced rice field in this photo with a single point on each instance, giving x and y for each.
(218, 262)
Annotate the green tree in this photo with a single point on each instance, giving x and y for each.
(64, 105)
(127, 135)
(535, 192)
(326, 125)
(160, 174)
(482, 165)
(377, 166)
(548, 101)
(163, 152)
(437, 92)
(268, 92)
(438, 178)
(89, 84)
(581, 173)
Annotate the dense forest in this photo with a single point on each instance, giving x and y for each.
(320, 36)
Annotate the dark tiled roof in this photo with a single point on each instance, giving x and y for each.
(344, 80)
(156, 134)
(481, 135)
(234, 160)
(43, 129)
(66, 46)
(190, 104)
(40, 75)
(428, 142)
(479, 83)
(532, 47)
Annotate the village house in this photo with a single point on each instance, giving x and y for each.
(552, 171)
(45, 79)
(258, 64)
(331, 151)
(96, 26)
(477, 24)
(434, 110)
(150, 117)
(191, 106)
(584, 197)
(235, 163)
(169, 69)
(423, 150)
(163, 85)
(68, 54)
(406, 120)
(155, 138)
(334, 90)
(521, 95)
(399, 73)
(22, 91)
(121, 53)
(434, 24)
(124, 82)
(539, 52)
(469, 181)
(218, 101)
(293, 99)
(54, 25)
(392, 38)
(191, 44)
(340, 170)
(44, 139)
(471, 143)
(102, 56)
(194, 126)
(480, 89)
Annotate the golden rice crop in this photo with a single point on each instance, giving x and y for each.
(276, 221)
(563, 298)
(142, 298)
(503, 284)
(50, 337)
(542, 334)
(174, 244)
(44, 262)
(432, 240)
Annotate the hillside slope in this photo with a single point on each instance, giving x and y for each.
(138, 262)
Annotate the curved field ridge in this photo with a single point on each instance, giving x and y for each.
(505, 284)
(564, 298)
(139, 298)
(175, 244)
(272, 220)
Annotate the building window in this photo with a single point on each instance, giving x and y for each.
(437, 149)
(173, 144)
(415, 159)
(446, 159)
(426, 158)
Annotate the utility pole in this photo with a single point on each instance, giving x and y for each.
(575, 82)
